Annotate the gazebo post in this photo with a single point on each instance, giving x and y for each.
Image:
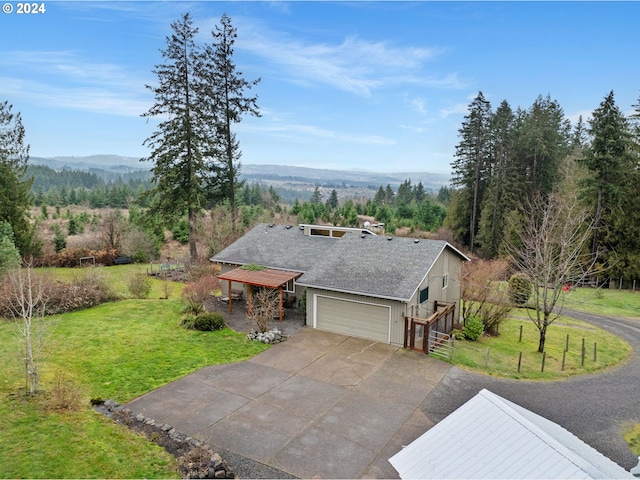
(230, 298)
(249, 307)
(280, 302)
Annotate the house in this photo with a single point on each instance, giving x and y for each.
(496, 438)
(357, 283)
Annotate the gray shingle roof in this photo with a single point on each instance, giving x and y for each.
(277, 247)
(372, 265)
(375, 266)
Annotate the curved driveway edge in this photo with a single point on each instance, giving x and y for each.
(319, 404)
(596, 408)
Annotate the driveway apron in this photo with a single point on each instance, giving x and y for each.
(318, 405)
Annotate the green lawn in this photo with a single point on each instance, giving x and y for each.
(605, 301)
(119, 276)
(504, 350)
(118, 350)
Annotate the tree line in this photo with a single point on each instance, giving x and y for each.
(506, 158)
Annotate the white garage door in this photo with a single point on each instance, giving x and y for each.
(357, 319)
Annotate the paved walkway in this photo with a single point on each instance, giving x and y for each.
(319, 404)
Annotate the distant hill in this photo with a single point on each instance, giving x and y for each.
(336, 178)
(113, 163)
(280, 176)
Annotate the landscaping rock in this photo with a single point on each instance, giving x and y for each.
(272, 336)
(195, 459)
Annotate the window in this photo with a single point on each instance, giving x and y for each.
(445, 281)
(424, 294)
(290, 287)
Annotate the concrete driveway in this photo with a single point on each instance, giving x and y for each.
(318, 405)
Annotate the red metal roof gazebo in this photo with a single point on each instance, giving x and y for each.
(268, 278)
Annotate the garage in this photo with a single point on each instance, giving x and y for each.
(352, 318)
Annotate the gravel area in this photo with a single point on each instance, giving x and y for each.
(292, 323)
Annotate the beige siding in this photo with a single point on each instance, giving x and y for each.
(450, 264)
(224, 284)
(395, 309)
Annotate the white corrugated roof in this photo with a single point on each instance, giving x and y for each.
(490, 437)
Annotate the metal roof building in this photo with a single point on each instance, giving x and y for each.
(490, 437)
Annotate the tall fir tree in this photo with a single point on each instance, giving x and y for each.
(613, 183)
(182, 147)
(15, 191)
(229, 89)
(502, 192)
(543, 136)
(607, 158)
(471, 170)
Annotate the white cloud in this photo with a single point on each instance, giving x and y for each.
(65, 80)
(355, 65)
(301, 133)
(456, 109)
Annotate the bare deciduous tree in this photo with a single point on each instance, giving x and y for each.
(481, 293)
(112, 230)
(264, 307)
(25, 297)
(551, 248)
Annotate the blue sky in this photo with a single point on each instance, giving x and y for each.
(380, 86)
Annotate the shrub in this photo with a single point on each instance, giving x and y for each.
(84, 291)
(473, 328)
(197, 292)
(65, 394)
(520, 289)
(188, 320)
(206, 322)
(483, 295)
(70, 257)
(180, 232)
(139, 285)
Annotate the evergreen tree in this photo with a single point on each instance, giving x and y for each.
(15, 197)
(389, 195)
(59, 239)
(418, 192)
(228, 89)
(404, 194)
(332, 201)
(471, 169)
(613, 168)
(444, 195)
(316, 196)
(182, 147)
(9, 255)
(501, 195)
(542, 141)
(379, 197)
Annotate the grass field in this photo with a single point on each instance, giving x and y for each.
(499, 356)
(605, 301)
(118, 350)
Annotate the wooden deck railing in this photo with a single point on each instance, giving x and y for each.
(440, 321)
